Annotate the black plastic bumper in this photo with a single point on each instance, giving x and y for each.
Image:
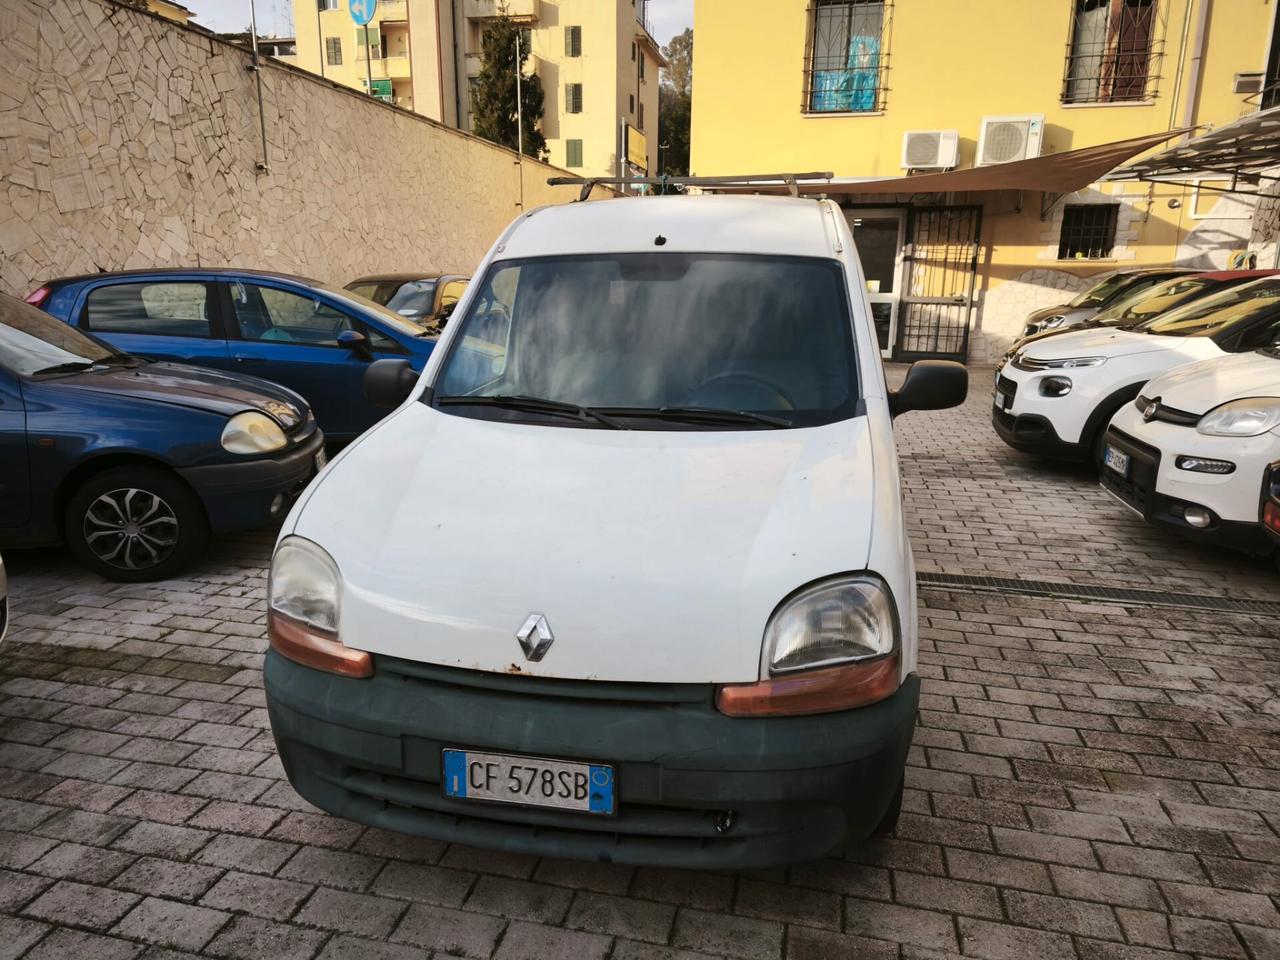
(1271, 494)
(239, 495)
(789, 789)
(1035, 434)
(1138, 491)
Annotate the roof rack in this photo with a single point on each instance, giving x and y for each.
(762, 179)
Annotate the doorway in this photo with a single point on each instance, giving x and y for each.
(879, 235)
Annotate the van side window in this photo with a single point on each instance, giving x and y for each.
(155, 309)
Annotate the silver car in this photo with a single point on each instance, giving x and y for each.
(1112, 288)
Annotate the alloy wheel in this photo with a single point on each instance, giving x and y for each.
(131, 529)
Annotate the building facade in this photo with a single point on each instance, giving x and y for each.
(876, 89)
(597, 60)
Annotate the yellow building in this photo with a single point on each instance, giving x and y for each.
(170, 11)
(597, 61)
(878, 89)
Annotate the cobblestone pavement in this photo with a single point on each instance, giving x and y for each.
(1089, 780)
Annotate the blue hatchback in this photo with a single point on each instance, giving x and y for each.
(133, 464)
(312, 338)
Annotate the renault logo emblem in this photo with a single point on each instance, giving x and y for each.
(1153, 408)
(535, 637)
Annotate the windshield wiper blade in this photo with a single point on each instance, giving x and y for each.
(74, 366)
(700, 415)
(533, 404)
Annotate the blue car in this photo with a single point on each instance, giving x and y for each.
(133, 463)
(314, 339)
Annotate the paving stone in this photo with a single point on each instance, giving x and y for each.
(519, 899)
(167, 878)
(268, 897)
(409, 881)
(348, 871)
(246, 853)
(251, 938)
(621, 917)
(165, 923)
(73, 861)
(733, 936)
(998, 941)
(355, 913)
(449, 931)
(921, 928)
(91, 906)
(64, 943)
(17, 935)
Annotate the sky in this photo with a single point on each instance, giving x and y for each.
(669, 17)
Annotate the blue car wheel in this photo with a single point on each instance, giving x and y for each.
(135, 523)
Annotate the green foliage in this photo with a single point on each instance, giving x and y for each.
(675, 106)
(494, 102)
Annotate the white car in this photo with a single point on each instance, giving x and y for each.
(1192, 452)
(1057, 395)
(625, 576)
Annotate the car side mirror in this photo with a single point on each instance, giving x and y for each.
(447, 311)
(388, 383)
(356, 342)
(931, 385)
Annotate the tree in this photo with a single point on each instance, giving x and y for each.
(495, 93)
(675, 105)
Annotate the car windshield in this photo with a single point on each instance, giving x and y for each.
(1101, 292)
(1150, 302)
(650, 338)
(409, 298)
(1231, 306)
(31, 342)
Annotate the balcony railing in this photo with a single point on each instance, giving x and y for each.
(386, 68)
(524, 10)
(392, 10)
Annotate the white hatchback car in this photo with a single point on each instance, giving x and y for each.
(1193, 451)
(626, 575)
(1057, 395)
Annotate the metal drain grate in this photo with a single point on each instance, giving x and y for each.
(1075, 591)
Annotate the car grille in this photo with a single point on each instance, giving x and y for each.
(1153, 409)
(1138, 488)
(1031, 363)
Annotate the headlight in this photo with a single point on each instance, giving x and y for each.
(1241, 418)
(1070, 363)
(833, 646)
(1053, 322)
(252, 432)
(304, 610)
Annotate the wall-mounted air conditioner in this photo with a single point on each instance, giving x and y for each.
(1248, 83)
(930, 149)
(1005, 139)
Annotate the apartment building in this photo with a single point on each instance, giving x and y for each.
(890, 95)
(597, 60)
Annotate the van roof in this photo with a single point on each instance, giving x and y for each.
(701, 224)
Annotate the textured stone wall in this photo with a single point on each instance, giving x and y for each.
(127, 141)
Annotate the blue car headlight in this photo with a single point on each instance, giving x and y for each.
(252, 432)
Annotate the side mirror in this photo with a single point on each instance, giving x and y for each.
(931, 385)
(447, 311)
(388, 383)
(356, 342)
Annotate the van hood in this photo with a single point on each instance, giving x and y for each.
(653, 555)
(198, 388)
(1099, 343)
(1199, 387)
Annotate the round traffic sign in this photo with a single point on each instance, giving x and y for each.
(362, 10)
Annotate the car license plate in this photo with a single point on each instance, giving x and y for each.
(1003, 401)
(1116, 460)
(529, 781)
(321, 459)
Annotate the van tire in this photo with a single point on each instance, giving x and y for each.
(889, 822)
(156, 512)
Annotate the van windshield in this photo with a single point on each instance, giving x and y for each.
(640, 338)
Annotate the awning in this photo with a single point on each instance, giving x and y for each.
(1056, 173)
(1236, 150)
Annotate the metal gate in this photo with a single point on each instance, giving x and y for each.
(941, 260)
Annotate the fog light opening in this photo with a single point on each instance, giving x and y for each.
(1197, 517)
(1205, 465)
(277, 504)
(1055, 386)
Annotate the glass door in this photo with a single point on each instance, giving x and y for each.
(879, 236)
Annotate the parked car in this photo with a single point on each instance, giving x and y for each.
(314, 339)
(1270, 511)
(4, 602)
(1107, 291)
(1192, 451)
(131, 463)
(631, 579)
(427, 299)
(1132, 311)
(1056, 396)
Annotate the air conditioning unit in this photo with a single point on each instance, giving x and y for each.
(1248, 83)
(1005, 139)
(930, 149)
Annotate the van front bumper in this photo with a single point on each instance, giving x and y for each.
(695, 788)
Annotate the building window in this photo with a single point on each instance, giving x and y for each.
(573, 153)
(369, 42)
(631, 103)
(846, 66)
(633, 50)
(573, 41)
(642, 66)
(642, 117)
(333, 51)
(1114, 52)
(573, 98)
(323, 5)
(1088, 231)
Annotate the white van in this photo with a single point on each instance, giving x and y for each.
(625, 577)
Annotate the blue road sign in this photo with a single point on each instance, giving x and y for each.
(362, 11)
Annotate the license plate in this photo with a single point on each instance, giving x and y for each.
(1116, 460)
(321, 459)
(529, 781)
(1003, 401)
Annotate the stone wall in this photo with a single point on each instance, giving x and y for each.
(128, 141)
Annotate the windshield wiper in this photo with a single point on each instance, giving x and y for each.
(534, 405)
(700, 415)
(74, 366)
